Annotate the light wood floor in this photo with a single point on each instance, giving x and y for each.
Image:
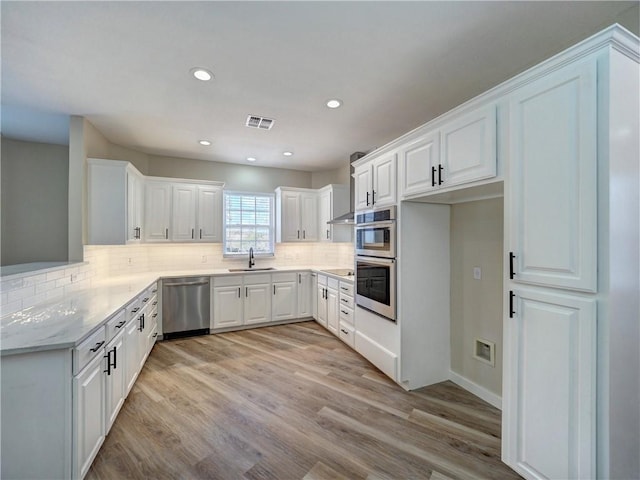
(292, 402)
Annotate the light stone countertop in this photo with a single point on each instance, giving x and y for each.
(67, 321)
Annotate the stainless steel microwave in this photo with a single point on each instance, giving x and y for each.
(376, 232)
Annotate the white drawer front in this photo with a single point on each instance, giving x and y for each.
(284, 277)
(333, 283)
(346, 314)
(346, 288)
(346, 300)
(116, 324)
(347, 334)
(133, 309)
(227, 281)
(88, 349)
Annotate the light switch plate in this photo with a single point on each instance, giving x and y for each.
(477, 273)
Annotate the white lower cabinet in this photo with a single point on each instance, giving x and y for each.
(305, 293)
(333, 301)
(116, 387)
(543, 413)
(321, 309)
(257, 301)
(88, 414)
(227, 303)
(285, 292)
(241, 300)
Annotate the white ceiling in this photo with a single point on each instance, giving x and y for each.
(125, 67)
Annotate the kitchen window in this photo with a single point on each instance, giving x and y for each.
(248, 222)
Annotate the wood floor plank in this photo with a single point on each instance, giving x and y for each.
(292, 402)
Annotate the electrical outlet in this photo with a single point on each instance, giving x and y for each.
(129, 260)
(204, 259)
(477, 273)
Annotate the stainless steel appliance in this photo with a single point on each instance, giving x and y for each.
(375, 263)
(376, 285)
(376, 232)
(185, 306)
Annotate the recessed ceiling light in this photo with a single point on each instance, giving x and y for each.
(206, 143)
(251, 159)
(334, 103)
(201, 74)
(287, 154)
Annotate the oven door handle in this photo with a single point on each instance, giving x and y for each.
(376, 260)
(386, 223)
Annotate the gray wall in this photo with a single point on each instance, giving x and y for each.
(476, 305)
(248, 178)
(34, 212)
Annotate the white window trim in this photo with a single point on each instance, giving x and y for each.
(272, 230)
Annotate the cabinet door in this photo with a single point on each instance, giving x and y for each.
(304, 295)
(183, 217)
(549, 386)
(135, 189)
(363, 186)
(309, 216)
(417, 163)
(227, 306)
(283, 303)
(131, 354)
(552, 185)
(322, 306)
(384, 181)
(157, 211)
(469, 148)
(88, 414)
(116, 386)
(333, 312)
(257, 303)
(324, 215)
(290, 220)
(314, 296)
(209, 214)
(143, 332)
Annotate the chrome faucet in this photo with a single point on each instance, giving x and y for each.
(252, 261)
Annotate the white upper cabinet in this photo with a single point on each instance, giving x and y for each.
(183, 216)
(461, 151)
(157, 211)
(333, 201)
(209, 214)
(418, 160)
(114, 202)
(552, 179)
(468, 148)
(183, 211)
(375, 182)
(296, 215)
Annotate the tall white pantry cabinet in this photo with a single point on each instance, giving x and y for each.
(571, 325)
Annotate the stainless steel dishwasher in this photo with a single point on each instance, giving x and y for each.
(185, 306)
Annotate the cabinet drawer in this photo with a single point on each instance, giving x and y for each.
(346, 314)
(346, 300)
(346, 288)
(227, 281)
(347, 334)
(322, 279)
(257, 278)
(333, 283)
(284, 277)
(88, 349)
(133, 309)
(116, 325)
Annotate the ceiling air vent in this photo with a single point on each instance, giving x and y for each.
(263, 123)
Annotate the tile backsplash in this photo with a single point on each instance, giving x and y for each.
(18, 292)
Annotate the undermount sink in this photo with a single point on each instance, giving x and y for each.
(251, 269)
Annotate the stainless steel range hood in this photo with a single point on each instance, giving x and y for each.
(348, 218)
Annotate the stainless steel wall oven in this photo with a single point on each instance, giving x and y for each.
(375, 263)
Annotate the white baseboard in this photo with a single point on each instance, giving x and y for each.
(477, 390)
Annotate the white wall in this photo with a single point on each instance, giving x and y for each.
(34, 202)
(338, 176)
(476, 305)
